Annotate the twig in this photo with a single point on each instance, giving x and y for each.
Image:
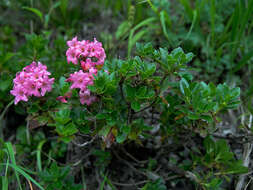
(154, 101)
(30, 184)
(241, 139)
(84, 144)
(28, 132)
(121, 89)
(128, 164)
(141, 182)
(183, 173)
(98, 178)
(129, 114)
(246, 159)
(129, 184)
(246, 186)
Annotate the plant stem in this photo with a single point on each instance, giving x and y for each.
(2, 116)
(31, 22)
(153, 7)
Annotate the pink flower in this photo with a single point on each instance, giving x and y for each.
(46, 86)
(33, 80)
(71, 56)
(32, 88)
(93, 70)
(73, 42)
(19, 93)
(86, 65)
(86, 98)
(63, 99)
(81, 80)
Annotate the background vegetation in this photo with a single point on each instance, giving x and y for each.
(36, 153)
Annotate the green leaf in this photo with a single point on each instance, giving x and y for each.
(141, 92)
(121, 137)
(35, 11)
(207, 118)
(84, 129)
(130, 91)
(144, 49)
(151, 68)
(184, 86)
(5, 84)
(236, 167)
(214, 184)
(126, 129)
(70, 129)
(189, 57)
(164, 55)
(122, 29)
(235, 92)
(67, 130)
(209, 145)
(101, 116)
(136, 106)
(193, 116)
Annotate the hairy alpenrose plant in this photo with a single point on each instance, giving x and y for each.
(127, 100)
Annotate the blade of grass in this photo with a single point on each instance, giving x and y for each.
(13, 161)
(245, 13)
(213, 14)
(235, 22)
(35, 11)
(195, 14)
(134, 39)
(47, 16)
(5, 177)
(131, 36)
(164, 18)
(102, 184)
(4, 183)
(83, 179)
(243, 62)
(63, 7)
(38, 155)
(108, 182)
(24, 174)
(153, 7)
(187, 6)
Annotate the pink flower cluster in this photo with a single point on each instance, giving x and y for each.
(90, 54)
(33, 80)
(81, 80)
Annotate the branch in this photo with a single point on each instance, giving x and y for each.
(246, 159)
(85, 143)
(156, 93)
